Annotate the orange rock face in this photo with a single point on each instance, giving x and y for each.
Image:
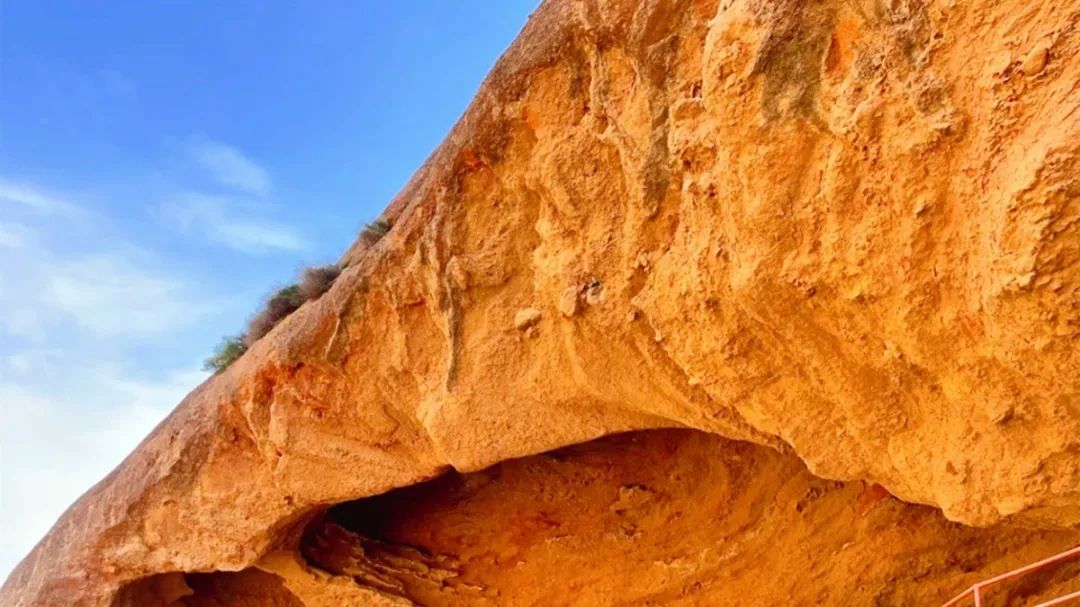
(671, 517)
(846, 233)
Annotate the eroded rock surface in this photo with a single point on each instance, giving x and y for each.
(845, 230)
(670, 517)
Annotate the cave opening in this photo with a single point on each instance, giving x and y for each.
(652, 517)
(664, 517)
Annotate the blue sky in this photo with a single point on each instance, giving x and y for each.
(163, 165)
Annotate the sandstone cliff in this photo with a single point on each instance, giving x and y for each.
(844, 235)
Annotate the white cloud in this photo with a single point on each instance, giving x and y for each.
(105, 294)
(108, 295)
(254, 237)
(34, 199)
(71, 288)
(29, 361)
(235, 219)
(223, 220)
(115, 288)
(230, 167)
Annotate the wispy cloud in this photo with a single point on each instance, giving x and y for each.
(110, 287)
(108, 295)
(77, 391)
(34, 199)
(234, 214)
(230, 222)
(231, 167)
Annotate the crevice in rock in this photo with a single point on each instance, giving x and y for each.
(386, 566)
(248, 588)
(666, 517)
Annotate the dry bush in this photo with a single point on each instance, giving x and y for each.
(316, 281)
(280, 305)
(374, 231)
(313, 283)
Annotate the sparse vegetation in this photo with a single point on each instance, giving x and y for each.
(313, 283)
(282, 303)
(374, 231)
(318, 280)
(230, 349)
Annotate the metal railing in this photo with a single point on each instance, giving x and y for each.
(976, 589)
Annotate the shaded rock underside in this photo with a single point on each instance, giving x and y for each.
(663, 517)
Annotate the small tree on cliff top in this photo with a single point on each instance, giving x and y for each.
(228, 351)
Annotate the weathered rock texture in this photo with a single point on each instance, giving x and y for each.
(664, 517)
(668, 518)
(848, 230)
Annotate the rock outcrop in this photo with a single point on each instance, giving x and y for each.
(845, 232)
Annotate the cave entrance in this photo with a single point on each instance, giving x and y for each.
(662, 517)
(655, 517)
